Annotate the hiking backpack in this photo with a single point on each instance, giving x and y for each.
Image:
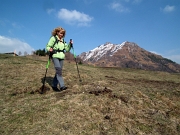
(55, 51)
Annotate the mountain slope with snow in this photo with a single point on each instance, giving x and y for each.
(127, 55)
(104, 49)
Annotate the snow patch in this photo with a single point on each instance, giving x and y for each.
(101, 50)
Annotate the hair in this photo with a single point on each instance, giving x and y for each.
(59, 29)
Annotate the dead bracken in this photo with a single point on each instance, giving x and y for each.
(110, 95)
(41, 90)
(97, 92)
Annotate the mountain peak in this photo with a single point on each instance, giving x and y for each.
(127, 54)
(101, 50)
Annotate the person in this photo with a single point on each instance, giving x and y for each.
(58, 48)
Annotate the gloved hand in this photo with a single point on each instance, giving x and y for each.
(71, 43)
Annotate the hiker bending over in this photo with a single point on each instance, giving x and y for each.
(57, 46)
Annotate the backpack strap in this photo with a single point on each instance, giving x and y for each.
(56, 41)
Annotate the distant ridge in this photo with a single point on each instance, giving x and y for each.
(128, 55)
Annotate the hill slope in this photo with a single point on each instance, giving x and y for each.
(108, 101)
(129, 55)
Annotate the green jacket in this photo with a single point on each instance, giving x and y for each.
(59, 45)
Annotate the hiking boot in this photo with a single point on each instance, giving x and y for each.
(63, 88)
(55, 89)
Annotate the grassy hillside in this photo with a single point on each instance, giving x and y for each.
(108, 101)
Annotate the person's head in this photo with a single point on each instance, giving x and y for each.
(59, 31)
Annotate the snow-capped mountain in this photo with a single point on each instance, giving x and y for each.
(100, 51)
(127, 54)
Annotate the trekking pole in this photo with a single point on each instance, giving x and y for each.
(47, 66)
(76, 62)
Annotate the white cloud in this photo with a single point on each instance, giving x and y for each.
(155, 52)
(16, 25)
(49, 11)
(118, 7)
(74, 17)
(172, 55)
(168, 8)
(12, 44)
(175, 58)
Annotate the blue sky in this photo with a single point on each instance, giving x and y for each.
(26, 25)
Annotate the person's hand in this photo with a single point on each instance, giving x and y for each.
(71, 43)
(50, 49)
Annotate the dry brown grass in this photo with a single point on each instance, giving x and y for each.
(108, 101)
